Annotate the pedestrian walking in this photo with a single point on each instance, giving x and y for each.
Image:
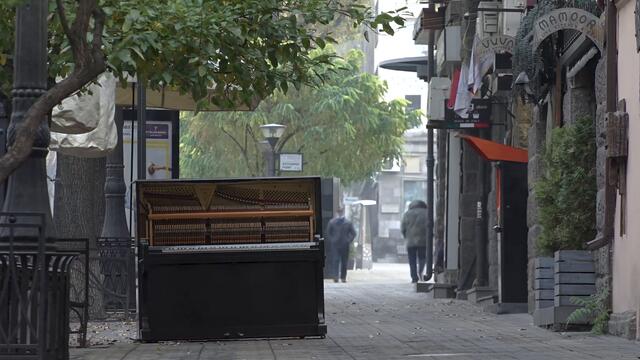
(340, 235)
(414, 230)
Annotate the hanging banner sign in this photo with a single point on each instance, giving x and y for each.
(495, 45)
(479, 116)
(565, 19)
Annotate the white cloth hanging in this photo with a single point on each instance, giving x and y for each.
(92, 112)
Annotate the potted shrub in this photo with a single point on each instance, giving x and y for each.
(566, 196)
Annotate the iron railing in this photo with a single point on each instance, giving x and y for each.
(107, 289)
(34, 291)
(116, 259)
(79, 296)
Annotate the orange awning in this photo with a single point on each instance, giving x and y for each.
(494, 151)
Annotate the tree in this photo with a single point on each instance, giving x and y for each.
(221, 52)
(344, 128)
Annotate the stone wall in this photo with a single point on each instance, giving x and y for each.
(603, 255)
(579, 100)
(440, 194)
(499, 114)
(536, 137)
(471, 194)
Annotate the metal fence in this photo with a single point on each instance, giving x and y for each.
(107, 289)
(34, 291)
(116, 259)
(79, 296)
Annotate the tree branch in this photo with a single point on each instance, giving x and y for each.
(89, 64)
(63, 18)
(242, 149)
(285, 139)
(258, 150)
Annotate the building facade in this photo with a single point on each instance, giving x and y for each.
(626, 245)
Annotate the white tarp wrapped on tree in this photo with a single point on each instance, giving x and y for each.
(83, 124)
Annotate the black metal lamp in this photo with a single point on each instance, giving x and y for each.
(272, 133)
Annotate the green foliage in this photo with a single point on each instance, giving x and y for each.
(344, 128)
(6, 47)
(567, 191)
(223, 51)
(593, 309)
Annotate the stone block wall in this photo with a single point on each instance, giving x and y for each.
(579, 99)
(537, 138)
(493, 262)
(602, 256)
(471, 194)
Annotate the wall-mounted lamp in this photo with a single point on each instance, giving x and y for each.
(523, 80)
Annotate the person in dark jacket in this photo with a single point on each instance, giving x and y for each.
(414, 230)
(340, 233)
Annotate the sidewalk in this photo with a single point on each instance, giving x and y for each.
(382, 317)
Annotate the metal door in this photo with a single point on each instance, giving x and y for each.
(512, 240)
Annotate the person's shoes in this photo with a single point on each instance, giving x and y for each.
(335, 280)
(344, 280)
(414, 281)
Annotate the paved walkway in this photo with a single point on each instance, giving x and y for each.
(382, 317)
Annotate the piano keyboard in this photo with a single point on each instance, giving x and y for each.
(233, 247)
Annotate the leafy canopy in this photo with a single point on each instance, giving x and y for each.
(567, 191)
(344, 128)
(222, 51)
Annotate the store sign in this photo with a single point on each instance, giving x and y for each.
(496, 44)
(290, 162)
(479, 115)
(565, 19)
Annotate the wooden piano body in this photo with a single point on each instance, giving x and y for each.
(230, 258)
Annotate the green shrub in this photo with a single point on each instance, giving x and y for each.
(566, 193)
(594, 310)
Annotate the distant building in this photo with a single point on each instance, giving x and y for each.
(399, 183)
(403, 181)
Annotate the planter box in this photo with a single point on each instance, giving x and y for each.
(543, 282)
(574, 276)
(569, 274)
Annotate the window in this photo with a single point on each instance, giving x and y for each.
(391, 165)
(415, 102)
(414, 190)
(412, 165)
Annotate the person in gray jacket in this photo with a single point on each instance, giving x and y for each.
(414, 230)
(340, 233)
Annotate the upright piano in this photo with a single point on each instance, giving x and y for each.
(230, 258)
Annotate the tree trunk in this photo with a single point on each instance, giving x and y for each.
(79, 212)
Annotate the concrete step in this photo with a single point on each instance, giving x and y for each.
(476, 293)
(444, 291)
(507, 308)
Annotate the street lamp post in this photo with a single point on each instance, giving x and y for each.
(272, 133)
(27, 186)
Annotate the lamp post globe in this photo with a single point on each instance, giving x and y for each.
(272, 133)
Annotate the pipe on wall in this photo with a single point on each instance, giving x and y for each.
(430, 165)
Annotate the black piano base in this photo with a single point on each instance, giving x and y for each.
(231, 333)
(231, 295)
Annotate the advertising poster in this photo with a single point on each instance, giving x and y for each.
(162, 156)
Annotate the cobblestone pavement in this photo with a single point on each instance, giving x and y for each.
(382, 317)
